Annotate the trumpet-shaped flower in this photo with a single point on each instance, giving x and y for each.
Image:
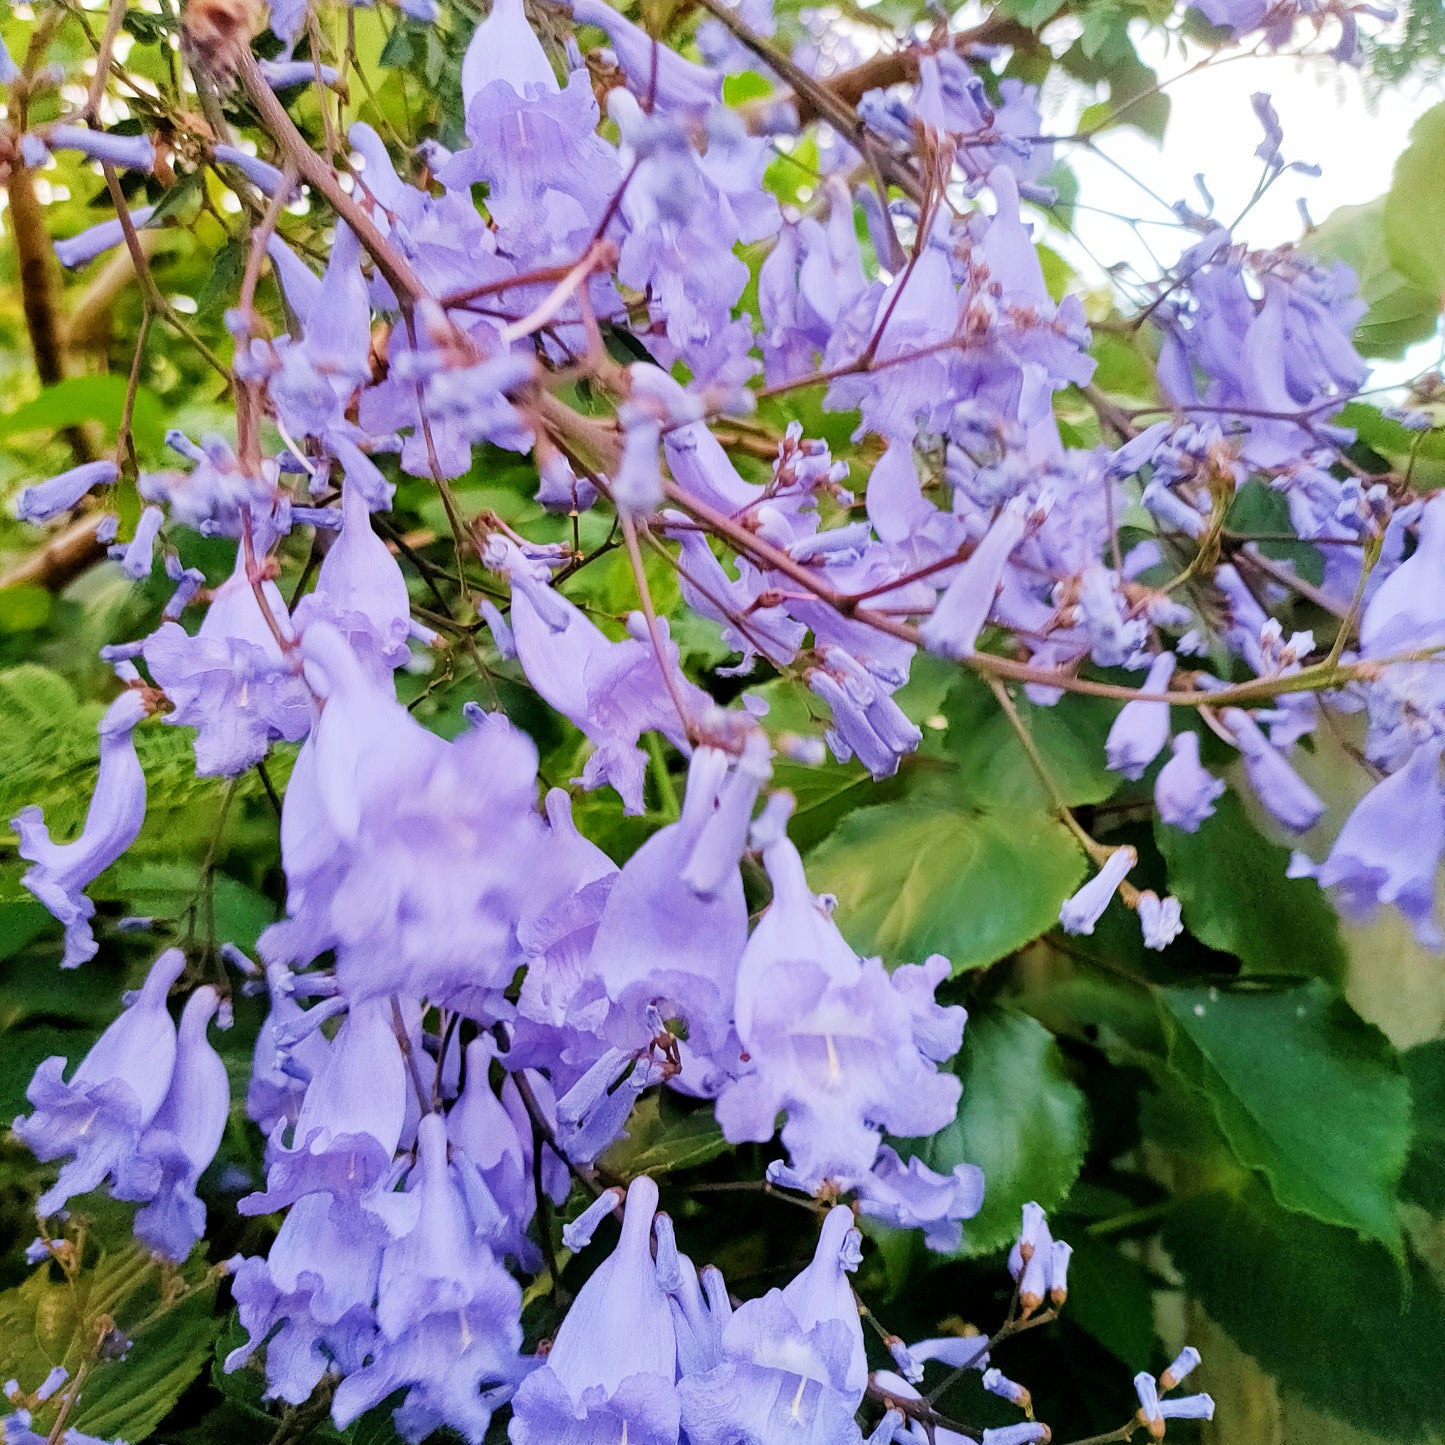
(62, 871)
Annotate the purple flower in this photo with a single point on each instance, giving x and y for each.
(676, 920)
(913, 1196)
(1390, 846)
(83, 247)
(792, 1364)
(958, 617)
(282, 1064)
(841, 1046)
(137, 558)
(125, 152)
(449, 1315)
(117, 809)
(1142, 728)
(482, 1129)
(612, 691)
(232, 681)
(1039, 1264)
(655, 72)
(360, 589)
(1159, 919)
(181, 1139)
(318, 1283)
(1184, 791)
(350, 1121)
(866, 720)
(98, 1117)
(612, 1366)
(1287, 796)
(49, 499)
(1154, 1412)
(1080, 913)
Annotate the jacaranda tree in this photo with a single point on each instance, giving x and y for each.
(722, 767)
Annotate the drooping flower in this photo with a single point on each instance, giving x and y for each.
(181, 1139)
(1154, 1412)
(449, 1316)
(676, 921)
(835, 1042)
(233, 682)
(350, 1121)
(792, 1364)
(117, 809)
(1080, 913)
(1390, 847)
(98, 1116)
(613, 1365)
(318, 1284)
(656, 72)
(50, 498)
(1142, 728)
(1185, 791)
(612, 691)
(1287, 796)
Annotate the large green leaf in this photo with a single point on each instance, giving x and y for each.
(1415, 206)
(1022, 1120)
(1325, 1312)
(1304, 1091)
(918, 877)
(1231, 881)
(1401, 311)
(993, 765)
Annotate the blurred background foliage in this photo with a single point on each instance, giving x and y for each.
(1243, 1138)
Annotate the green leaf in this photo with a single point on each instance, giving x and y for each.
(1022, 1121)
(914, 878)
(662, 1137)
(1111, 1297)
(1231, 880)
(1304, 1091)
(1400, 311)
(1415, 206)
(45, 1323)
(994, 767)
(1325, 1312)
(81, 399)
(1424, 1181)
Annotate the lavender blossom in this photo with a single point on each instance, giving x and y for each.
(841, 1046)
(1390, 847)
(792, 1363)
(83, 247)
(62, 871)
(181, 1138)
(49, 499)
(449, 1316)
(1142, 728)
(613, 1364)
(655, 72)
(1185, 791)
(125, 152)
(99, 1116)
(232, 681)
(1287, 796)
(1080, 913)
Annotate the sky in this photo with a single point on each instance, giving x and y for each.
(1328, 118)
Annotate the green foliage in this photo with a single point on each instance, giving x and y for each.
(1272, 1063)
(1330, 1314)
(1231, 880)
(1424, 1181)
(919, 877)
(1022, 1120)
(167, 1315)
